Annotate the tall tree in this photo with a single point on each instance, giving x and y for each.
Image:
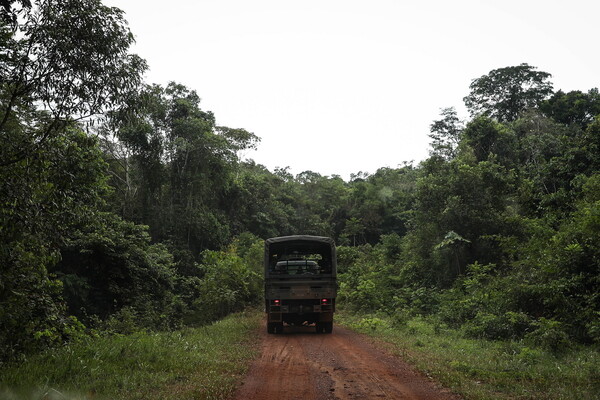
(504, 93)
(176, 170)
(445, 134)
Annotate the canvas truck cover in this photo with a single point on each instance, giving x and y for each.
(283, 246)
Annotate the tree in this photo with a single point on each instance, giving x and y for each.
(68, 58)
(200, 169)
(261, 202)
(455, 242)
(467, 197)
(60, 62)
(504, 93)
(239, 139)
(354, 227)
(176, 171)
(42, 197)
(574, 107)
(489, 138)
(381, 201)
(445, 134)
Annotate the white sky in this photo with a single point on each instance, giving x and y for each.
(342, 86)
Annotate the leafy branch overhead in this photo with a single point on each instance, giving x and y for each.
(68, 59)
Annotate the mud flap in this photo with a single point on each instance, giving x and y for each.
(274, 317)
(326, 317)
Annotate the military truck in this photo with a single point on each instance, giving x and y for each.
(300, 282)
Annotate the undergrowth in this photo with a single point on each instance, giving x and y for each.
(198, 363)
(482, 369)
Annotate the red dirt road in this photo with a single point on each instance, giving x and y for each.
(300, 364)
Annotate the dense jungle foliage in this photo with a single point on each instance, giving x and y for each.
(124, 206)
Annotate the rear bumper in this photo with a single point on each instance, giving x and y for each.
(298, 319)
(300, 308)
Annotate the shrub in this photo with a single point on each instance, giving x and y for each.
(371, 323)
(497, 326)
(549, 334)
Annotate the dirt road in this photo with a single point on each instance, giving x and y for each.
(300, 364)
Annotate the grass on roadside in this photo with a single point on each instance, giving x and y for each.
(194, 363)
(481, 369)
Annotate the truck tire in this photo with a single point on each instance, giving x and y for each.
(319, 327)
(327, 327)
(270, 327)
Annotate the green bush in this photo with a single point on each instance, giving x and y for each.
(509, 325)
(112, 264)
(229, 283)
(549, 334)
(371, 323)
(124, 322)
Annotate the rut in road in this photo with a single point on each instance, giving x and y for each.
(301, 364)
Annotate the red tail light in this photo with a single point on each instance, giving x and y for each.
(324, 301)
(277, 302)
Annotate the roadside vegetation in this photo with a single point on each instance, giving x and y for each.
(198, 363)
(480, 369)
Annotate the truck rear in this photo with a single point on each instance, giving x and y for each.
(300, 282)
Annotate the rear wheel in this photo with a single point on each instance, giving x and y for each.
(319, 327)
(270, 327)
(327, 327)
